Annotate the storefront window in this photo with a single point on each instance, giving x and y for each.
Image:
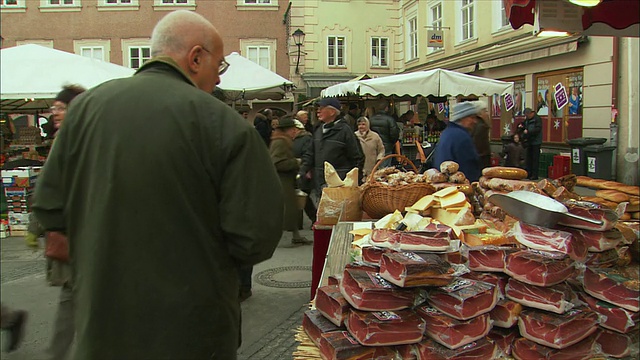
(559, 124)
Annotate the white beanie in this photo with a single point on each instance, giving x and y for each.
(462, 110)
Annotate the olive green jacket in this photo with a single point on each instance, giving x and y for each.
(160, 189)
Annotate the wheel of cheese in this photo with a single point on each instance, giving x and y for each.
(505, 172)
(612, 195)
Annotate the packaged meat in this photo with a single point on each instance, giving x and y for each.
(361, 266)
(406, 352)
(611, 316)
(453, 333)
(618, 286)
(541, 238)
(605, 259)
(504, 339)
(617, 345)
(546, 186)
(489, 258)
(539, 268)
(435, 237)
(589, 210)
(340, 345)
(557, 298)
(505, 313)
(315, 324)
(497, 279)
(385, 328)
(596, 241)
(332, 304)
(372, 254)
(366, 290)
(334, 279)
(557, 331)
(464, 299)
(409, 269)
(483, 349)
(524, 349)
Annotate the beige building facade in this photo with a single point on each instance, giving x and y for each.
(474, 37)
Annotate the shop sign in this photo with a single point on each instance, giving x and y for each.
(435, 38)
(560, 95)
(508, 102)
(440, 107)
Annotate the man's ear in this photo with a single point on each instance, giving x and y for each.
(194, 58)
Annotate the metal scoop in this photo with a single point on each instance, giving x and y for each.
(535, 209)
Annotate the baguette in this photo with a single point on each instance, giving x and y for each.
(601, 201)
(612, 195)
(630, 190)
(505, 172)
(625, 216)
(635, 215)
(589, 182)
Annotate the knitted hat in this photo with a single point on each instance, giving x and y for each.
(68, 93)
(462, 110)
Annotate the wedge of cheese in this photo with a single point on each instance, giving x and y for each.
(331, 176)
(424, 203)
(456, 199)
(351, 179)
(444, 192)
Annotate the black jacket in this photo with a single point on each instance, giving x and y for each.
(338, 146)
(264, 128)
(387, 128)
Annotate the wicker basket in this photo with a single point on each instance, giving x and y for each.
(379, 200)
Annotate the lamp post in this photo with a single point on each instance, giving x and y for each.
(298, 39)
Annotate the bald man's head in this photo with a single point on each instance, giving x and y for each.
(193, 43)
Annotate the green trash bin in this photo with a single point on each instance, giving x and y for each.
(546, 160)
(578, 160)
(599, 161)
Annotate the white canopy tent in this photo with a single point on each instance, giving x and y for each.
(32, 75)
(437, 82)
(246, 80)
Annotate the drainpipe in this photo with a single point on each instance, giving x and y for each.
(613, 126)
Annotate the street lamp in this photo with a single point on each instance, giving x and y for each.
(298, 39)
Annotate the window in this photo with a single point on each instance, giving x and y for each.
(336, 51)
(257, 2)
(61, 2)
(118, 2)
(467, 20)
(9, 2)
(174, 2)
(260, 55)
(436, 17)
(60, 5)
(138, 55)
(93, 52)
(504, 20)
(412, 38)
(379, 52)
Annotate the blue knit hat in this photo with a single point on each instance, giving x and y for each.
(462, 110)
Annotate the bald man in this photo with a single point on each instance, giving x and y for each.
(149, 181)
(303, 116)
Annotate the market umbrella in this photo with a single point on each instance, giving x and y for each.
(436, 82)
(609, 18)
(246, 80)
(32, 75)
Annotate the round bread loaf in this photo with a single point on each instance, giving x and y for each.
(612, 195)
(505, 172)
(449, 167)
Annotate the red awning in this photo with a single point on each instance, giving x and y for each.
(618, 14)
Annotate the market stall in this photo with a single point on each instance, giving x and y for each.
(502, 268)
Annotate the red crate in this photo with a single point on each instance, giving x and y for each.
(561, 166)
(551, 172)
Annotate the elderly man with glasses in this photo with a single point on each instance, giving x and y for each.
(160, 188)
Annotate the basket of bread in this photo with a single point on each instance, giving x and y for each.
(390, 189)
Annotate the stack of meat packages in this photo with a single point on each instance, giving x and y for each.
(405, 304)
(570, 292)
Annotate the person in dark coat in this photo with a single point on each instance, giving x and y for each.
(334, 142)
(159, 219)
(532, 136)
(480, 135)
(456, 143)
(386, 127)
(262, 124)
(301, 144)
(514, 152)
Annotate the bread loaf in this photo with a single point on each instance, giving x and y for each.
(436, 176)
(612, 195)
(630, 189)
(635, 215)
(590, 182)
(449, 167)
(504, 172)
(601, 201)
(625, 216)
(458, 178)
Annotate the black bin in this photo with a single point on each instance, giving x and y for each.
(599, 161)
(578, 161)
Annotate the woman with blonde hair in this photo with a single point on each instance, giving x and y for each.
(371, 143)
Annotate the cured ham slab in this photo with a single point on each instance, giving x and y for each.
(505, 313)
(589, 210)
(464, 299)
(524, 349)
(540, 269)
(607, 258)
(616, 345)
(482, 349)
(409, 269)
(618, 286)
(384, 328)
(541, 238)
(433, 238)
(453, 333)
(489, 258)
(499, 280)
(340, 345)
(596, 241)
(331, 303)
(504, 338)
(366, 290)
(372, 254)
(557, 331)
(557, 298)
(613, 317)
(315, 324)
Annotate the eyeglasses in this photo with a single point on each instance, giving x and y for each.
(224, 65)
(58, 109)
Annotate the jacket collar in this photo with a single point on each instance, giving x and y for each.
(167, 61)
